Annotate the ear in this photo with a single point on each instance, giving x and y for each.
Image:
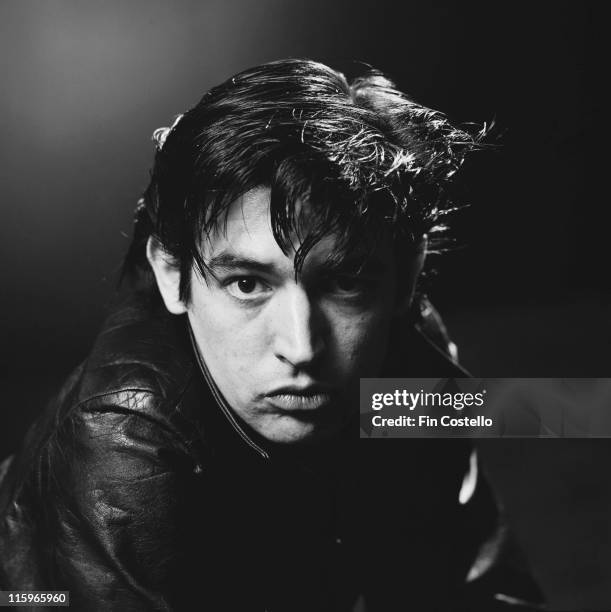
(167, 275)
(410, 277)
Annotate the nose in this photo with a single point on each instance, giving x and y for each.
(297, 328)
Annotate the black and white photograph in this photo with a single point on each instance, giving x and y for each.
(306, 306)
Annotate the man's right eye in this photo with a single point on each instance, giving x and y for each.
(246, 287)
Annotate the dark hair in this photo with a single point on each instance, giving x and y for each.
(364, 155)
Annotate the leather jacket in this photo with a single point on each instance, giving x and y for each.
(138, 489)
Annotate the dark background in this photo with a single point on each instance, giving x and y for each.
(85, 83)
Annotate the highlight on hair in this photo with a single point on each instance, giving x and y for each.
(365, 157)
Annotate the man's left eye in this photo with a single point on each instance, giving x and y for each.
(348, 284)
(246, 287)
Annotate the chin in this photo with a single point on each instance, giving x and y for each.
(288, 431)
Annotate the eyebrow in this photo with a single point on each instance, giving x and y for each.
(226, 262)
(356, 263)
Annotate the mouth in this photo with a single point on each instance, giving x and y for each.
(308, 403)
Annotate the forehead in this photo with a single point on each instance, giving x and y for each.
(246, 233)
(245, 230)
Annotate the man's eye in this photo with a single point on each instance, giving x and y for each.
(246, 287)
(349, 284)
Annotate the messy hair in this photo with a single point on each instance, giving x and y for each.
(365, 157)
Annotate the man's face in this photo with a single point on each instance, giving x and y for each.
(287, 353)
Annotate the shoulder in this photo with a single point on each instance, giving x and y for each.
(138, 392)
(142, 370)
(421, 347)
(141, 347)
(135, 403)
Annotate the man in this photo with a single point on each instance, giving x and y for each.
(205, 455)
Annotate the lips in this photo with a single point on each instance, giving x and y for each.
(290, 402)
(295, 400)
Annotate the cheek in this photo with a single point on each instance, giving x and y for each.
(361, 342)
(365, 336)
(234, 341)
